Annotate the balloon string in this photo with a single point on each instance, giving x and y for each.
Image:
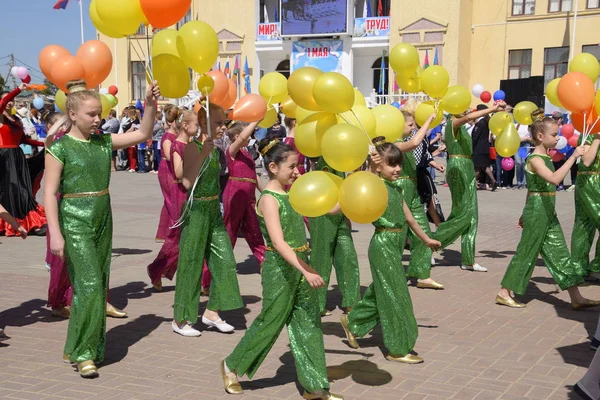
(593, 126)
(585, 128)
(361, 125)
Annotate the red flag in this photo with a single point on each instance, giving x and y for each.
(379, 9)
(61, 4)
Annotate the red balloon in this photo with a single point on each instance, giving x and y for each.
(573, 140)
(486, 97)
(112, 89)
(567, 130)
(556, 155)
(27, 79)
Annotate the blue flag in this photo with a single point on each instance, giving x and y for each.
(369, 12)
(275, 16)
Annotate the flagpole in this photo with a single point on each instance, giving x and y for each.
(116, 67)
(81, 19)
(572, 49)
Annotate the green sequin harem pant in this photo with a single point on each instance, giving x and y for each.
(203, 236)
(387, 300)
(541, 234)
(587, 222)
(287, 300)
(86, 226)
(420, 255)
(463, 218)
(331, 242)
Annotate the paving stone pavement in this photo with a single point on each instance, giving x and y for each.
(473, 349)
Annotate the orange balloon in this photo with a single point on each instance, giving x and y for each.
(163, 14)
(576, 92)
(231, 97)
(592, 117)
(221, 89)
(250, 108)
(67, 68)
(96, 58)
(48, 56)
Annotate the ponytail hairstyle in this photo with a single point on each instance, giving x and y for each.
(274, 151)
(389, 153)
(540, 124)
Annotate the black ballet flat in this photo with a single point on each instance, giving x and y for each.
(41, 231)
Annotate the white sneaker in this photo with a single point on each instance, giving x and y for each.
(476, 268)
(432, 260)
(48, 267)
(186, 330)
(220, 325)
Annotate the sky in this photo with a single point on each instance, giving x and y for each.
(33, 24)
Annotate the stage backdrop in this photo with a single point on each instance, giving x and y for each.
(326, 55)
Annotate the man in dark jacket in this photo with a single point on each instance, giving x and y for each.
(481, 149)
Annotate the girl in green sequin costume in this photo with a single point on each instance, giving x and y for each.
(387, 300)
(541, 230)
(203, 235)
(331, 243)
(289, 283)
(587, 209)
(420, 255)
(460, 174)
(78, 166)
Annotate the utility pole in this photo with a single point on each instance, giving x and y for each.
(11, 64)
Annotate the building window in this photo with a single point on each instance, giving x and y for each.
(593, 3)
(379, 74)
(523, 7)
(559, 5)
(519, 64)
(138, 80)
(556, 63)
(185, 19)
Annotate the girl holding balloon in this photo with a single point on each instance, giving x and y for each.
(460, 175)
(541, 230)
(288, 283)
(387, 300)
(203, 234)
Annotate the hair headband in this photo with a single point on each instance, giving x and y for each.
(379, 143)
(271, 144)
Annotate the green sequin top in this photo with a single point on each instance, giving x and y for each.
(461, 144)
(536, 183)
(323, 166)
(291, 222)
(596, 164)
(409, 165)
(86, 163)
(393, 217)
(208, 186)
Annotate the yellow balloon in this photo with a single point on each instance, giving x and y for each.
(309, 133)
(172, 75)
(552, 93)
(100, 25)
(198, 46)
(411, 82)
(269, 119)
(456, 100)
(586, 63)
(363, 197)
(206, 84)
(300, 87)
(121, 16)
(390, 122)
(273, 87)
(508, 143)
(359, 99)
(333, 92)
(424, 111)
(435, 80)
(597, 102)
(289, 108)
(362, 117)
(106, 106)
(60, 99)
(522, 112)
(498, 123)
(302, 114)
(165, 42)
(314, 194)
(404, 57)
(338, 180)
(345, 147)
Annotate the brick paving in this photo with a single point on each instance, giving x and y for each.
(473, 349)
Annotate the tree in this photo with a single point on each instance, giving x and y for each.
(50, 90)
(2, 83)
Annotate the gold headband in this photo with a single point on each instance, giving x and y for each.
(203, 102)
(230, 124)
(379, 143)
(77, 88)
(268, 147)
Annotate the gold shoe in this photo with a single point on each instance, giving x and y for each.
(66, 359)
(431, 285)
(349, 335)
(205, 291)
(510, 302)
(87, 369)
(586, 304)
(157, 286)
(326, 313)
(407, 359)
(232, 386)
(111, 311)
(63, 312)
(347, 310)
(323, 396)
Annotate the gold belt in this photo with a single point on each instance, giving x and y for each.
(459, 156)
(588, 172)
(233, 178)
(178, 181)
(301, 249)
(410, 178)
(541, 193)
(84, 194)
(211, 198)
(393, 230)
